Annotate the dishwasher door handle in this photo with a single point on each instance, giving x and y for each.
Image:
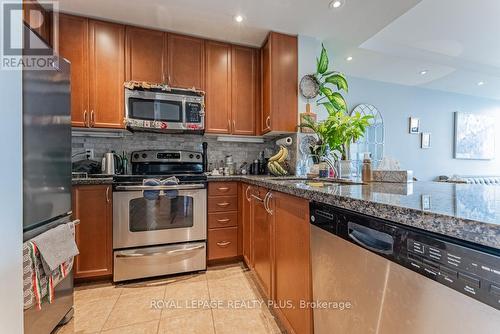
(376, 241)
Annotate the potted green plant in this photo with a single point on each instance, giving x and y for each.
(339, 130)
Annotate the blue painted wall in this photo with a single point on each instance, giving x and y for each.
(436, 112)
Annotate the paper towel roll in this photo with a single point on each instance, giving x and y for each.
(287, 141)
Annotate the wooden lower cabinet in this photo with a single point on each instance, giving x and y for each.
(292, 270)
(261, 240)
(222, 243)
(92, 205)
(276, 246)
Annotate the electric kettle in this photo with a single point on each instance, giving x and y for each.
(111, 163)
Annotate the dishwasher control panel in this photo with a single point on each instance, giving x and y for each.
(467, 268)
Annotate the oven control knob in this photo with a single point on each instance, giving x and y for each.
(144, 155)
(198, 156)
(191, 156)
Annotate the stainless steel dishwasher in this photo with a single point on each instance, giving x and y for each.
(375, 276)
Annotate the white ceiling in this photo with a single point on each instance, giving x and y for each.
(456, 41)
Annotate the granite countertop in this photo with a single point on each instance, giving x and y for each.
(464, 211)
(91, 181)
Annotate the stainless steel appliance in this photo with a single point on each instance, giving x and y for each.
(111, 163)
(177, 110)
(47, 172)
(166, 235)
(398, 279)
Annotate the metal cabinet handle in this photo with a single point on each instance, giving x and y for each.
(257, 198)
(224, 204)
(234, 125)
(92, 118)
(223, 243)
(107, 195)
(229, 125)
(268, 122)
(224, 221)
(223, 189)
(85, 119)
(246, 194)
(267, 198)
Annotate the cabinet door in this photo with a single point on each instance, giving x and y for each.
(284, 83)
(185, 61)
(73, 45)
(94, 237)
(265, 118)
(292, 259)
(218, 88)
(243, 76)
(261, 239)
(38, 19)
(107, 70)
(246, 219)
(144, 58)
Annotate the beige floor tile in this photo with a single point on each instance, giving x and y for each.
(198, 322)
(90, 294)
(235, 288)
(90, 316)
(229, 321)
(150, 290)
(183, 298)
(132, 309)
(225, 272)
(150, 327)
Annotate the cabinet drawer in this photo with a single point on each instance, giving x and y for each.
(222, 219)
(222, 243)
(222, 204)
(222, 188)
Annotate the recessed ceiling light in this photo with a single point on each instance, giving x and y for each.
(480, 83)
(349, 58)
(238, 18)
(336, 4)
(424, 72)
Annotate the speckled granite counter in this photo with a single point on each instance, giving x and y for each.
(463, 211)
(92, 181)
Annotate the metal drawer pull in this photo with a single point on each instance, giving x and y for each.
(161, 253)
(223, 221)
(257, 198)
(246, 193)
(223, 188)
(223, 204)
(223, 243)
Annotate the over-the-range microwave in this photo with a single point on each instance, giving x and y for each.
(176, 110)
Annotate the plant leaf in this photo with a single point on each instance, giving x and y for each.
(329, 107)
(339, 80)
(323, 61)
(337, 101)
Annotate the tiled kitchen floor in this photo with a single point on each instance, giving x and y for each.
(127, 308)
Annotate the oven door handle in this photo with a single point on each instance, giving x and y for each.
(165, 187)
(176, 251)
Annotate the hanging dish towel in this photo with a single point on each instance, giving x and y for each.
(36, 283)
(153, 195)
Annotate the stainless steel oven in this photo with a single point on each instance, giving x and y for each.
(177, 110)
(139, 222)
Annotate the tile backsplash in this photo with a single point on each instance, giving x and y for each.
(241, 152)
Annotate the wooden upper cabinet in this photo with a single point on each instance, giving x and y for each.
(106, 74)
(280, 83)
(38, 19)
(73, 45)
(185, 59)
(144, 55)
(92, 205)
(243, 76)
(218, 87)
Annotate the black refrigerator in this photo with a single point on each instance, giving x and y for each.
(47, 172)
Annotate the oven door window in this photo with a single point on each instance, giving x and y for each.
(155, 110)
(163, 213)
